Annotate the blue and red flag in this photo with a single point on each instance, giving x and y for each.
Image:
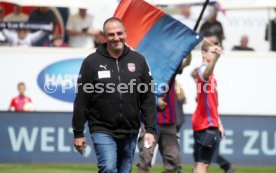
(161, 39)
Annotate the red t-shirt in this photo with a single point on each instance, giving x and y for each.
(18, 103)
(206, 113)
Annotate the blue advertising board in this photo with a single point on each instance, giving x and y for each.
(46, 137)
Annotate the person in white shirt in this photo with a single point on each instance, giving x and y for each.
(3, 41)
(186, 17)
(22, 37)
(81, 29)
(189, 14)
(16, 15)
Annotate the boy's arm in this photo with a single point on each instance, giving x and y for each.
(216, 51)
(221, 129)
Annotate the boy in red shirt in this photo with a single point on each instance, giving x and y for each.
(21, 102)
(206, 123)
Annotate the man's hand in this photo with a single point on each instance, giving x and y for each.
(161, 103)
(149, 140)
(80, 144)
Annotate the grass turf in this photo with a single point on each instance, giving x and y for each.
(92, 168)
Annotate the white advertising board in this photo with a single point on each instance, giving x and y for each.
(246, 82)
(19, 64)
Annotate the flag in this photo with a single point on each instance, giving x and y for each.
(161, 39)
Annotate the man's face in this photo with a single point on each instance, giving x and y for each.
(115, 35)
(82, 12)
(21, 89)
(17, 9)
(186, 11)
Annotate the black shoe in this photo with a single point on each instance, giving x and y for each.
(231, 169)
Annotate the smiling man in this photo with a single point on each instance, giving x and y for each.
(112, 109)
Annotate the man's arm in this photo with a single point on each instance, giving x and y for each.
(81, 102)
(148, 106)
(55, 32)
(92, 32)
(73, 32)
(93, 29)
(80, 111)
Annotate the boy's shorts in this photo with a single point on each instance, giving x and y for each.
(202, 153)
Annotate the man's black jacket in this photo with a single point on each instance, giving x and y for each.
(99, 101)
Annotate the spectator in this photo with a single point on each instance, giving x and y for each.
(21, 102)
(16, 15)
(43, 15)
(81, 29)
(270, 34)
(243, 44)
(99, 39)
(169, 120)
(3, 40)
(212, 25)
(22, 37)
(186, 16)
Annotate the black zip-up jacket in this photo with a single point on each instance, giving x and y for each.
(99, 102)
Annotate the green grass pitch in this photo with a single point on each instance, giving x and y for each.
(92, 168)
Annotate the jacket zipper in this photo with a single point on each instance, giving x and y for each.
(120, 94)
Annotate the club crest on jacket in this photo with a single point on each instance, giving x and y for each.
(131, 67)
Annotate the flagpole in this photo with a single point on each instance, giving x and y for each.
(165, 95)
(201, 14)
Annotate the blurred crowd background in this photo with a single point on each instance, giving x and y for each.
(238, 29)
